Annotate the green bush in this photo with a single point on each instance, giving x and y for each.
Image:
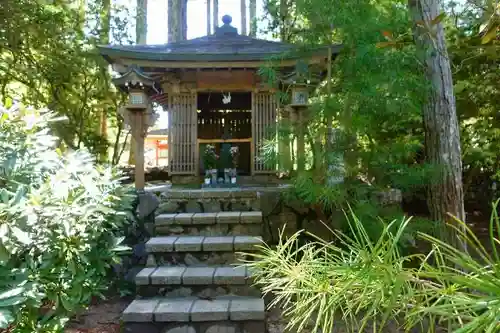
(61, 221)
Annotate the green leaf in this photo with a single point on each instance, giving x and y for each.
(6, 318)
(21, 235)
(12, 293)
(490, 35)
(12, 301)
(438, 18)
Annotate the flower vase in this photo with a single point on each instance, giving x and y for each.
(214, 176)
(233, 176)
(227, 177)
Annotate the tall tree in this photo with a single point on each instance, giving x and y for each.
(216, 15)
(141, 23)
(243, 10)
(253, 14)
(209, 17)
(442, 136)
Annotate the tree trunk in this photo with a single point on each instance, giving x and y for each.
(253, 14)
(183, 20)
(209, 17)
(243, 9)
(104, 39)
(216, 15)
(174, 16)
(283, 20)
(442, 136)
(141, 23)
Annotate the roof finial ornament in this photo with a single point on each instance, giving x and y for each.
(227, 19)
(226, 29)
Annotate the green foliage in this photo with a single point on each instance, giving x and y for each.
(355, 278)
(48, 59)
(61, 222)
(467, 288)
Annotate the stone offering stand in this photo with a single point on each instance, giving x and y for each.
(194, 281)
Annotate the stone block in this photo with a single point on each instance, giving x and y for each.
(179, 329)
(165, 219)
(247, 309)
(142, 278)
(228, 217)
(161, 244)
(222, 328)
(204, 218)
(218, 243)
(140, 310)
(246, 243)
(173, 310)
(179, 292)
(198, 276)
(148, 202)
(167, 275)
(151, 261)
(169, 207)
(184, 218)
(142, 327)
(193, 206)
(246, 230)
(188, 243)
(204, 310)
(254, 327)
(230, 275)
(251, 217)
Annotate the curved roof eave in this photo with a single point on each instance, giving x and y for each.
(111, 53)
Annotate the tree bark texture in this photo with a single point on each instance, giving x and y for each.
(173, 20)
(141, 23)
(209, 17)
(283, 20)
(442, 136)
(183, 20)
(216, 15)
(253, 14)
(243, 10)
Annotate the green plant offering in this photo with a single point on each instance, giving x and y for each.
(210, 158)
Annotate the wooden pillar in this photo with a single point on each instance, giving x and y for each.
(284, 140)
(139, 134)
(301, 131)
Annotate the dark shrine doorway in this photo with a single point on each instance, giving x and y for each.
(225, 121)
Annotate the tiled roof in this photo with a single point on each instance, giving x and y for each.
(225, 45)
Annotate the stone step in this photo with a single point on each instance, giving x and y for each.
(207, 281)
(210, 224)
(208, 218)
(177, 275)
(202, 244)
(195, 310)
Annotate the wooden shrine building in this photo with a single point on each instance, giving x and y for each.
(213, 91)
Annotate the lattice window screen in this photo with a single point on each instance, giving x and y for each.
(264, 106)
(182, 138)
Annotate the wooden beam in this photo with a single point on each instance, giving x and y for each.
(211, 64)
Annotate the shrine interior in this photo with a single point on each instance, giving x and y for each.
(225, 121)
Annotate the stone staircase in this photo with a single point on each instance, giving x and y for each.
(194, 282)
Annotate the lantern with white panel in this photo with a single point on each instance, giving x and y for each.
(138, 113)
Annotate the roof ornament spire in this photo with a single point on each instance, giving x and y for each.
(226, 29)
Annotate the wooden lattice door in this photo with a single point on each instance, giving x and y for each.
(264, 110)
(182, 137)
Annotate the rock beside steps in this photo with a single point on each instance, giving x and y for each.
(193, 284)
